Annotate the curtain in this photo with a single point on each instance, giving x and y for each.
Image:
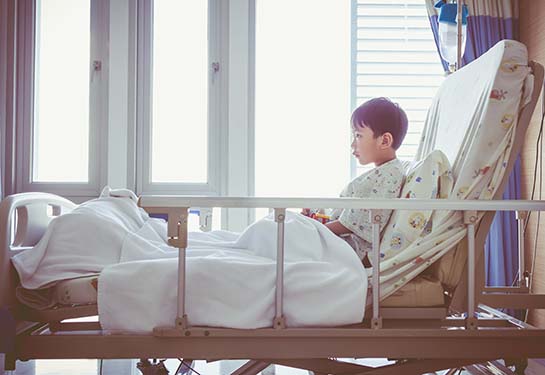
(490, 21)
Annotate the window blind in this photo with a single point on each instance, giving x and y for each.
(394, 55)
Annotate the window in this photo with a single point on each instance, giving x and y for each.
(395, 56)
(178, 87)
(180, 81)
(61, 24)
(302, 97)
(64, 81)
(327, 58)
(210, 97)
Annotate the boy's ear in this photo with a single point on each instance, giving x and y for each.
(387, 140)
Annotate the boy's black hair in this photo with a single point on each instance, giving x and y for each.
(382, 115)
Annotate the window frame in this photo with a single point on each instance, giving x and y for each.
(98, 104)
(144, 185)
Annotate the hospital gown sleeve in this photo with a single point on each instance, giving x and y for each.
(378, 184)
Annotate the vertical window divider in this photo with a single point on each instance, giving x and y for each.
(216, 71)
(144, 69)
(223, 103)
(251, 105)
(25, 29)
(132, 89)
(353, 70)
(99, 98)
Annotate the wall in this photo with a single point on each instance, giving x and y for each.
(532, 33)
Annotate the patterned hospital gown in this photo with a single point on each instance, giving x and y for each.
(384, 181)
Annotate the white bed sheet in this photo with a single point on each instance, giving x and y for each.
(230, 276)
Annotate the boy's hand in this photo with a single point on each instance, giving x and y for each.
(337, 228)
(305, 211)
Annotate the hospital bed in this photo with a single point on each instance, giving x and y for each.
(424, 336)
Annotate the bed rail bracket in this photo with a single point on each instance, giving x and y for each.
(376, 323)
(279, 323)
(471, 322)
(181, 322)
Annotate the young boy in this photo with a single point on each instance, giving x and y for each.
(379, 127)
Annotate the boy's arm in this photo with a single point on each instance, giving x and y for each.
(337, 228)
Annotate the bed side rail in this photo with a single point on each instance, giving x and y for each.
(177, 207)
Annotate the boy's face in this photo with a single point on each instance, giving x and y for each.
(365, 147)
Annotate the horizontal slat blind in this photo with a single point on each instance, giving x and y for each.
(395, 56)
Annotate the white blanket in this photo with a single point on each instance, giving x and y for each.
(230, 276)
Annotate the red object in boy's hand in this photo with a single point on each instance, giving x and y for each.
(322, 218)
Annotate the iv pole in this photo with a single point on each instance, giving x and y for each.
(459, 44)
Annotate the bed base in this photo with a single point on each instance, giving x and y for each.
(421, 345)
(455, 350)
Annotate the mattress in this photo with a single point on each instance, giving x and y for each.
(424, 291)
(79, 291)
(473, 120)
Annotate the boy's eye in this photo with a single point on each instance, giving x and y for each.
(357, 135)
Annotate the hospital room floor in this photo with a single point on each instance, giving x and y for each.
(128, 367)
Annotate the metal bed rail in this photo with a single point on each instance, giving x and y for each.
(177, 209)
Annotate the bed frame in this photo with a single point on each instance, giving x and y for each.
(466, 330)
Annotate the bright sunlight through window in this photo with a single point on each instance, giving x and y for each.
(61, 89)
(302, 97)
(180, 91)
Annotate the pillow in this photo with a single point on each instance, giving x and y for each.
(429, 178)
